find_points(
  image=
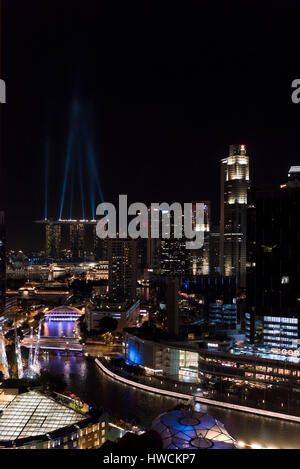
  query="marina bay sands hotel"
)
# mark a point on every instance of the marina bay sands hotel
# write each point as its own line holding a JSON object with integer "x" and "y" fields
{"x": 76, "y": 237}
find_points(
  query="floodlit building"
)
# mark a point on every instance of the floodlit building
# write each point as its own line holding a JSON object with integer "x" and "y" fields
{"x": 235, "y": 184}
{"x": 216, "y": 359}
{"x": 122, "y": 270}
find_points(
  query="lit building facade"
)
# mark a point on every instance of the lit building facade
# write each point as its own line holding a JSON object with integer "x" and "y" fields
{"x": 73, "y": 239}
{"x": 223, "y": 315}
{"x": 33, "y": 420}
{"x": 273, "y": 291}
{"x": 215, "y": 360}
{"x": 122, "y": 267}
{"x": 235, "y": 184}
{"x": 169, "y": 256}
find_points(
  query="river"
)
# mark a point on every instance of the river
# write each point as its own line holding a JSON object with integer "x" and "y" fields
{"x": 86, "y": 380}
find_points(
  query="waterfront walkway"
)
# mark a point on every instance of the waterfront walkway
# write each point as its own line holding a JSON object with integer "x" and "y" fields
{"x": 101, "y": 363}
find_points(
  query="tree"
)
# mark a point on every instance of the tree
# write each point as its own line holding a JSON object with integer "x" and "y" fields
{"x": 107, "y": 324}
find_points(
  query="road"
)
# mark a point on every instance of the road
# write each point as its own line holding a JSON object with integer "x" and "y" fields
{"x": 55, "y": 343}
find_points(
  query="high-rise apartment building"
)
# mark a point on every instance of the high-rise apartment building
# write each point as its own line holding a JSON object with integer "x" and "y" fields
{"x": 235, "y": 184}
{"x": 169, "y": 256}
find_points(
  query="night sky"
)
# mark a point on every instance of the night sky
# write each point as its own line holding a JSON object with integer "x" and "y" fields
{"x": 163, "y": 94}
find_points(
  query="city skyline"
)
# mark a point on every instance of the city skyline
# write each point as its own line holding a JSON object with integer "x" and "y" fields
{"x": 149, "y": 228}
{"x": 171, "y": 118}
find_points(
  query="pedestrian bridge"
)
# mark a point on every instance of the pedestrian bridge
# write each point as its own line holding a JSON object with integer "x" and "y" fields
{"x": 63, "y": 313}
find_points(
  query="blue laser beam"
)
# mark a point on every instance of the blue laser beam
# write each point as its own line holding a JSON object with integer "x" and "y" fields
{"x": 81, "y": 185}
{"x": 75, "y": 110}
{"x": 46, "y": 178}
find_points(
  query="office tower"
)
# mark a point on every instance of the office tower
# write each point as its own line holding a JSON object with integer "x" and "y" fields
{"x": 200, "y": 257}
{"x": 2, "y": 263}
{"x": 214, "y": 251}
{"x": 77, "y": 239}
{"x": 273, "y": 293}
{"x": 235, "y": 184}
{"x": 174, "y": 258}
{"x": 122, "y": 261}
{"x": 53, "y": 239}
{"x": 223, "y": 315}
{"x": 249, "y": 324}
{"x": 169, "y": 256}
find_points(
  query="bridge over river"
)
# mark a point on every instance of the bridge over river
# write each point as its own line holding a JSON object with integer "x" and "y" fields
{"x": 58, "y": 331}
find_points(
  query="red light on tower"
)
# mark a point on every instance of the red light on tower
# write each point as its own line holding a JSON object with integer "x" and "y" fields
{"x": 242, "y": 147}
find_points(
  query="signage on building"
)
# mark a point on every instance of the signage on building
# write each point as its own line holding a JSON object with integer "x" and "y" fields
{"x": 284, "y": 351}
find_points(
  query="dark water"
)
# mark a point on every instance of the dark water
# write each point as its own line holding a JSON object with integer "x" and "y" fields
{"x": 86, "y": 380}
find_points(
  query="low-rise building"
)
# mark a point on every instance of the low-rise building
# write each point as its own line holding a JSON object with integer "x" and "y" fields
{"x": 33, "y": 420}
{"x": 215, "y": 359}
{"x": 126, "y": 313}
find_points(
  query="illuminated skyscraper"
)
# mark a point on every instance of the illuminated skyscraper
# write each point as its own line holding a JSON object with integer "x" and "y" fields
{"x": 170, "y": 257}
{"x": 122, "y": 260}
{"x": 235, "y": 184}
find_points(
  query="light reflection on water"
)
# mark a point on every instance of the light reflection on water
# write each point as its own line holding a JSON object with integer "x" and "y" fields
{"x": 84, "y": 379}
{"x": 58, "y": 328}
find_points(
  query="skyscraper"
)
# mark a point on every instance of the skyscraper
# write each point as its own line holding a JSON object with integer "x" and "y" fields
{"x": 235, "y": 184}
{"x": 122, "y": 264}
{"x": 273, "y": 290}
{"x": 169, "y": 255}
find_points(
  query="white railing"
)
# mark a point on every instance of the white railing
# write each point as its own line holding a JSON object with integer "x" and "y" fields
{"x": 202, "y": 400}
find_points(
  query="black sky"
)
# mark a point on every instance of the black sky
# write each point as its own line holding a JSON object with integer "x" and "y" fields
{"x": 164, "y": 94}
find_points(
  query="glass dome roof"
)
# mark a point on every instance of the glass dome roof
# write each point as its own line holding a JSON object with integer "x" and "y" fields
{"x": 182, "y": 429}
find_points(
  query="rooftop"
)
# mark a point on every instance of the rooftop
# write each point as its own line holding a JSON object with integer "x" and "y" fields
{"x": 33, "y": 414}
